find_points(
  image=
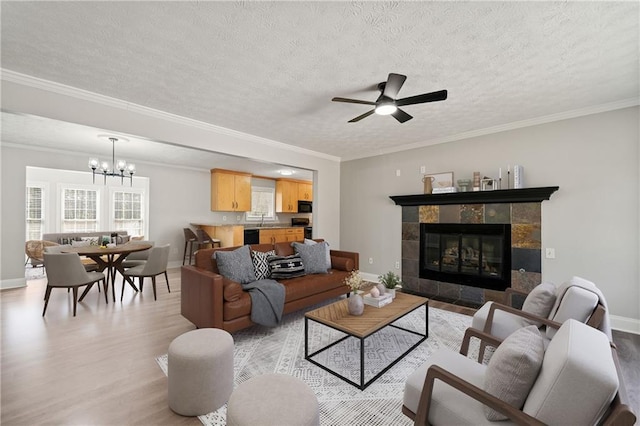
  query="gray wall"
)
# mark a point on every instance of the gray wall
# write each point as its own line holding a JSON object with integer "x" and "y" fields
{"x": 592, "y": 221}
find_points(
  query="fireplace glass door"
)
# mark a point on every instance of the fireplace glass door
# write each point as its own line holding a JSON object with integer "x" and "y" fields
{"x": 471, "y": 254}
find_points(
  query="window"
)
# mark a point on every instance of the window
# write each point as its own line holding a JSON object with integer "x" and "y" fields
{"x": 35, "y": 212}
{"x": 262, "y": 203}
{"x": 128, "y": 212}
{"x": 80, "y": 210}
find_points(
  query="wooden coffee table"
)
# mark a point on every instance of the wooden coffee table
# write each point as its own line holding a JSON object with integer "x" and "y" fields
{"x": 372, "y": 320}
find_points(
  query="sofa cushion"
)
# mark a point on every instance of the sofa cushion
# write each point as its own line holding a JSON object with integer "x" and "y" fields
{"x": 513, "y": 369}
{"x": 309, "y": 285}
{"x": 540, "y": 301}
{"x": 236, "y": 265}
{"x": 314, "y": 257}
{"x": 80, "y": 243}
{"x": 232, "y": 291}
{"x": 261, "y": 263}
{"x": 94, "y": 241}
{"x": 342, "y": 263}
{"x": 283, "y": 267}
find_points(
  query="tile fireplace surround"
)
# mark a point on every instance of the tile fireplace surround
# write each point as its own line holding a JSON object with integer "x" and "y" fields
{"x": 526, "y": 260}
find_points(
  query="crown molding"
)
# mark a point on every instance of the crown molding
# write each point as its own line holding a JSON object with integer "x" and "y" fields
{"x": 62, "y": 89}
{"x": 596, "y": 109}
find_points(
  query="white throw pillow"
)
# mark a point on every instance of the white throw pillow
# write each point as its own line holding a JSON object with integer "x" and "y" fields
{"x": 540, "y": 301}
{"x": 84, "y": 243}
{"x": 514, "y": 368}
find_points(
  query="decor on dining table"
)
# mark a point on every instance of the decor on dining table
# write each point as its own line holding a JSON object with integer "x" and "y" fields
{"x": 114, "y": 169}
{"x": 355, "y": 304}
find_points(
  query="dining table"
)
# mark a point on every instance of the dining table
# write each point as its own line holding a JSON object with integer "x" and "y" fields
{"x": 109, "y": 258}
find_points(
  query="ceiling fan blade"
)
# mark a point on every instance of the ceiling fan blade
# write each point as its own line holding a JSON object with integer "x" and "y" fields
{"x": 393, "y": 85}
{"x": 440, "y": 95}
{"x": 360, "y": 117}
{"x": 353, "y": 101}
{"x": 401, "y": 116}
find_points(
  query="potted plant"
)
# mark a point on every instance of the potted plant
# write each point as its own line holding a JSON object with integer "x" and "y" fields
{"x": 355, "y": 283}
{"x": 390, "y": 280}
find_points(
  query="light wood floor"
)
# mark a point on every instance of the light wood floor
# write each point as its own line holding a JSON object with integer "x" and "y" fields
{"x": 99, "y": 368}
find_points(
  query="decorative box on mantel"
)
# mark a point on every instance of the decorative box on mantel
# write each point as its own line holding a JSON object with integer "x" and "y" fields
{"x": 519, "y": 210}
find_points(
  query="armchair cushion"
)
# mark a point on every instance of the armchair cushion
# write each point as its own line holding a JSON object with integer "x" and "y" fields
{"x": 513, "y": 369}
{"x": 503, "y": 323}
{"x": 577, "y": 303}
{"x": 448, "y": 405}
{"x": 236, "y": 265}
{"x": 578, "y": 378}
{"x": 540, "y": 301}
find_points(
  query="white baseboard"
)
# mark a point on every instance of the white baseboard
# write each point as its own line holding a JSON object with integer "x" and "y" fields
{"x": 13, "y": 283}
{"x": 628, "y": 325}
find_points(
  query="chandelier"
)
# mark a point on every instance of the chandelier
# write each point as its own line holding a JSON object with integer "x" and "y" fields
{"x": 114, "y": 169}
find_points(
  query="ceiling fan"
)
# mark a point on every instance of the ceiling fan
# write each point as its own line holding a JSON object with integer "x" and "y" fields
{"x": 387, "y": 104}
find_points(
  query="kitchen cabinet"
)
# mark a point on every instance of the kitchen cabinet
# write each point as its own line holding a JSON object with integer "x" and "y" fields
{"x": 286, "y": 196}
{"x": 281, "y": 235}
{"x": 229, "y": 235}
{"x": 305, "y": 191}
{"x": 230, "y": 191}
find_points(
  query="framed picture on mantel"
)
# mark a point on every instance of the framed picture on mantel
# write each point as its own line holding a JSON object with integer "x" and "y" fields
{"x": 441, "y": 180}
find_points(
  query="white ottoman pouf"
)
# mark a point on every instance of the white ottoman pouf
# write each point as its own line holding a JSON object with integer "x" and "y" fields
{"x": 273, "y": 400}
{"x": 200, "y": 368}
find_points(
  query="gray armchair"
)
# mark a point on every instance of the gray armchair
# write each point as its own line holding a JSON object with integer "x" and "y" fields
{"x": 65, "y": 270}
{"x": 578, "y": 382}
{"x": 155, "y": 265}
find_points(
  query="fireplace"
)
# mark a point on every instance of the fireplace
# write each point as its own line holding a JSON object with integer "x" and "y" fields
{"x": 476, "y": 255}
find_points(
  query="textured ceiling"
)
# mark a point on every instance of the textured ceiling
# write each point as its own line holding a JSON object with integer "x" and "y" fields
{"x": 271, "y": 68}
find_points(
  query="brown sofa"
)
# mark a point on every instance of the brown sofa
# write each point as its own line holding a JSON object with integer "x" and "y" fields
{"x": 210, "y": 300}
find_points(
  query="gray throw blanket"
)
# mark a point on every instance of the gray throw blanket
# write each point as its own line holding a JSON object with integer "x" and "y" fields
{"x": 267, "y": 301}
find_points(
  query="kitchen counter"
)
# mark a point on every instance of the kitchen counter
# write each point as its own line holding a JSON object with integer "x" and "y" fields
{"x": 232, "y": 234}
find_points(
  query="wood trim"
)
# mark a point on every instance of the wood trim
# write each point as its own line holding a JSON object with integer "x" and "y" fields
{"x": 232, "y": 172}
{"x": 524, "y": 195}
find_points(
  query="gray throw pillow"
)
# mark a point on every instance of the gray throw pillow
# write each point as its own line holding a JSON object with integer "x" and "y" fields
{"x": 313, "y": 257}
{"x": 514, "y": 368}
{"x": 236, "y": 265}
{"x": 540, "y": 301}
{"x": 311, "y": 242}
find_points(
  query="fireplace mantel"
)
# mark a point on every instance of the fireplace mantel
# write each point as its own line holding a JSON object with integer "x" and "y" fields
{"x": 524, "y": 195}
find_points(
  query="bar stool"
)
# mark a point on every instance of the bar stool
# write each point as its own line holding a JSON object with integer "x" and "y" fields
{"x": 205, "y": 239}
{"x": 189, "y": 238}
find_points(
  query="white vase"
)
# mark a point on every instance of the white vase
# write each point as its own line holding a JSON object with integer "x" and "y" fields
{"x": 355, "y": 304}
{"x": 392, "y": 292}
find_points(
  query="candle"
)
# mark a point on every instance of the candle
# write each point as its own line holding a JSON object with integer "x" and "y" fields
{"x": 508, "y": 168}
{"x": 500, "y": 173}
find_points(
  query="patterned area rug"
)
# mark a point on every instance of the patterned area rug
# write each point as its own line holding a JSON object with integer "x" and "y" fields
{"x": 260, "y": 350}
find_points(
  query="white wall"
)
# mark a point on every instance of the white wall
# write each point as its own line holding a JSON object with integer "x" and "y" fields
{"x": 592, "y": 220}
{"x": 177, "y": 196}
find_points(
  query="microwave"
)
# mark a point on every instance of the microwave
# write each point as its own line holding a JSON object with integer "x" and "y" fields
{"x": 305, "y": 206}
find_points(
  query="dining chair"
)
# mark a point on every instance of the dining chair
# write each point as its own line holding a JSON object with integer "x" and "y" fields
{"x": 89, "y": 265}
{"x": 155, "y": 265}
{"x": 137, "y": 258}
{"x": 65, "y": 270}
{"x": 34, "y": 250}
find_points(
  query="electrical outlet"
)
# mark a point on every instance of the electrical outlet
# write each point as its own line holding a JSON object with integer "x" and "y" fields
{"x": 397, "y": 172}
{"x": 224, "y": 218}
{"x": 550, "y": 253}
{"x": 423, "y": 170}
{"x": 397, "y": 265}
{"x": 238, "y": 218}
{"x": 371, "y": 261}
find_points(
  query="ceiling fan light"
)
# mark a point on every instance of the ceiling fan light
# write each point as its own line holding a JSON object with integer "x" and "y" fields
{"x": 386, "y": 109}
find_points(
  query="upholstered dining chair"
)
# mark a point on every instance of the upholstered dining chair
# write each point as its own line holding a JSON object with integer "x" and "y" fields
{"x": 576, "y": 380}
{"x": 65, "y": 270}
{"x": 547, "y": 307}
{"x": 155, "y": 265}
{"x": 137, "y": 258}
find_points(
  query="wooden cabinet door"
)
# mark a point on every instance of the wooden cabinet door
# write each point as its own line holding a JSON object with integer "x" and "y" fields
{"x": 267, "y": 236}
{"x": 242, "y": 191}
{"x": 305, "y": 191}
{"x": 222, "y": 192}
{"x": 286, "y": 196}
